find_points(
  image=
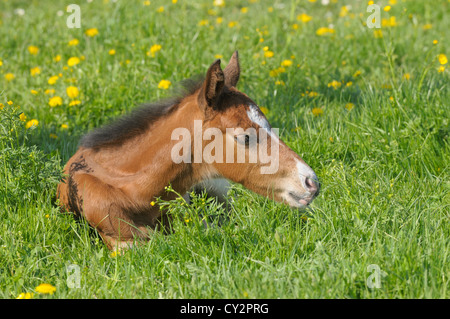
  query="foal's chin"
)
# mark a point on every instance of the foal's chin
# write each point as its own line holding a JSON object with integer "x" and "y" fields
{"x": 300, "y": 203}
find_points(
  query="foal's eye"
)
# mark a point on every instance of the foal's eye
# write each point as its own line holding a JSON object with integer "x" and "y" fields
{"x": 243, "y": 139}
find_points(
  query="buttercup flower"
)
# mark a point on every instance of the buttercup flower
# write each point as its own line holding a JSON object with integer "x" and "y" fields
{"x": 9, "y": 76}
{"x": 317, "y": 111}
{"x": 55, "y": 101}
{"x": 34, "y": 71}
{"x": 335, "y": 84}
{"x": 219, "y": 3}
{"x": 304, "y": 18}
{"x": 92, "y": 32}
{"x": 33, "y": 50}
{"x": 349, "y": 106}
{"x": 164, "y": 84}
{"x": 442, "y": 59}
{"x": 72, "y": 92}
{"x": 25, "y": 295}
{"x": 73, "y": 61}
{"x": 31, "y": 123}
{"x": 45, "y": 289}
{"x": 153, "y": 49}
{"x": 74, "y": 42}
{"x": 74, "y": 103}
{"x": 264, "y": 109}
{"x": 286, "y": 63}
{"x": 324, "y": 31}
{"x": 52, "y": 80}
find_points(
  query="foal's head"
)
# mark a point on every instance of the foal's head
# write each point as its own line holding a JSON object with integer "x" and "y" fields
{"x": 239, "y": 143}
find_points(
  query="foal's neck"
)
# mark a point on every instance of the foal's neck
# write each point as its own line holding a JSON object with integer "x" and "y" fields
{"x": 144, "y": 162}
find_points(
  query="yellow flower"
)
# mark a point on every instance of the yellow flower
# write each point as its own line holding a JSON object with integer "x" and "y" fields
{"x": 279, "y": 82}
{"x": 64, "y": 126}
{"x": 1, "y": 62}
{"x": 153, "y": 49}
{"x": 22, "y": 117}
{"x": 31, "y": 123}
{"x": 277, "y": 71}
{"x": 317, "y": 111}
{"x": 73, "y": 61}
{"x": 152, "y": 203}
{"x": 203, "y": 22}
{"x": 112, "y": 52}
{"x": 219, "y": 3}
{"x": 442, "y": 59}
{"x": 25, "y": 295}
{"x": 57, "y": 58}
{"x": 324, "y": 31}
{"x": 387, "y": 8}
{"x": 164, "y": 84}
{"x": 441, "y": 69}
{"x": 52, "y": 80}
{"x": 244, "y": 10}
{"x": 160, "y": 9}
{"x": 92, "y": 32}
{"x": 54, "y": 136}
{"x": 268, "y": 54}
{"x": 50, "y": 91}
{"x": 72, "y": 92}
{"x": 335, "y": 84}
{"x": 74, "y": 103}
{"x": 34, "y": 92}
{"x": 33, "y": 49}
{"x": 45, "y": 289}
{"x": 286, "y": 63}
{"x": 219, "y": 20}
{"x": 349, "y": 106}
{"x": 407, "y": 76}
{"x": 232, "y": 24}
{"x": 35, "y": 70}
{"x": 146, "y": 3}
{"x": 9, "y": 76}
{"x": 74, "y": 42}
{"x": 377, "y": 34}
{"x": 312, "y": 94}
{"x": 304, "y": 18}
{"x": 391, "y": 22}
{"x": 10, "y": 102}
{"x": 344, "y": 11}
{"x": 55, "y": 101}
{"x": 427, "y": 26}
{"x": 357, "y": 73}
{"x": 264, "y": 109}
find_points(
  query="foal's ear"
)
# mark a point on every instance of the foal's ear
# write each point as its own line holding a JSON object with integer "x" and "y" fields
{"x": 215, "y": 80}
{"x": 232, "y": 70}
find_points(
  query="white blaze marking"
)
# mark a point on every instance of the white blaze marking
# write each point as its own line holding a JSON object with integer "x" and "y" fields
{"x": 256, "y": 118}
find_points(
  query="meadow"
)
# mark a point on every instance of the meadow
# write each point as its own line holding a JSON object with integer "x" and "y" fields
{"x": 367, "y": 108}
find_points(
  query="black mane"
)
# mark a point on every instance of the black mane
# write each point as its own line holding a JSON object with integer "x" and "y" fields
{"x": 139, "y": 120}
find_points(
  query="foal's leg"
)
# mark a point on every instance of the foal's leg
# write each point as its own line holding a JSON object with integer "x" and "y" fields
{"x": 102, "y": 207}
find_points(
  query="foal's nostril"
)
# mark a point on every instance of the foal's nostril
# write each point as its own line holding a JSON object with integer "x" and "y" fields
{"x": 312, "y": 185}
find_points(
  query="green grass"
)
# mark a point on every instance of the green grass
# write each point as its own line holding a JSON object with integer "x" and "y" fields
{"x": 383, "y": 164}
